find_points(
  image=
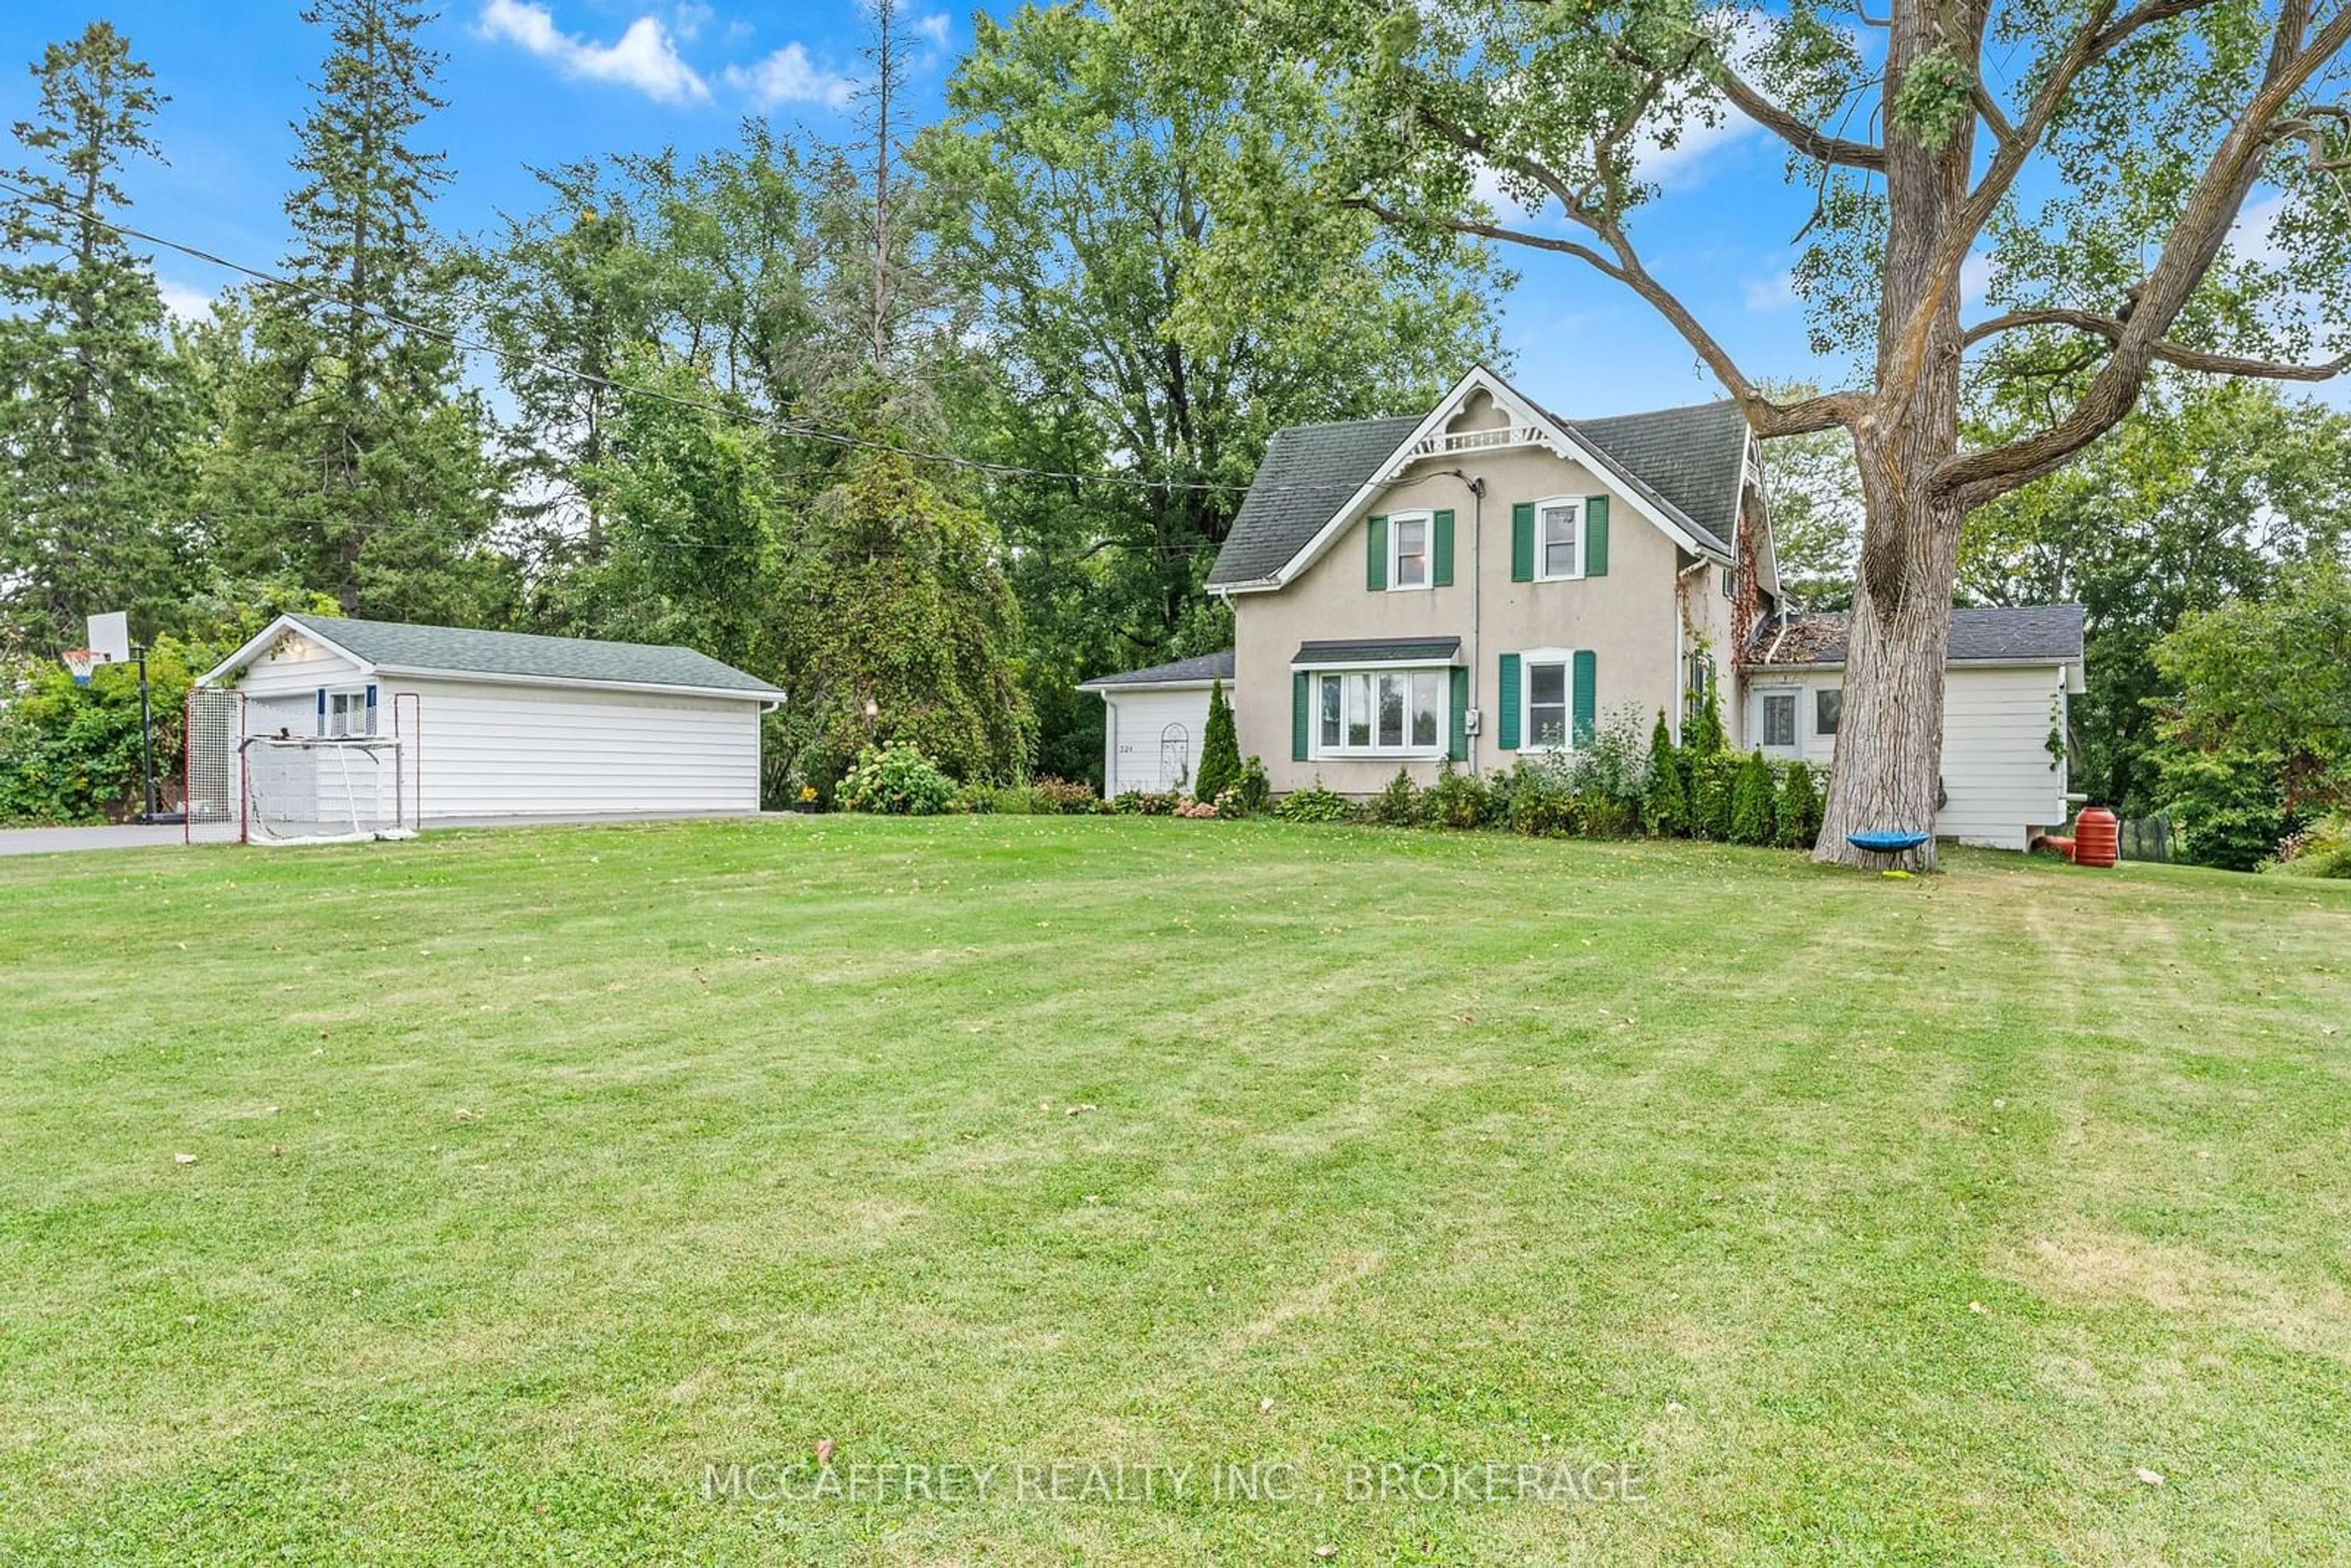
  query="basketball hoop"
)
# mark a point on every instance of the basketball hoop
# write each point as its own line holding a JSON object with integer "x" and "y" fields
{"x": 81, "y": 661}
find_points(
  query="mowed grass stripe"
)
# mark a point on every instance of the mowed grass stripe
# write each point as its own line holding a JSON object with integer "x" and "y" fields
{"x": 1453, "y": 1147}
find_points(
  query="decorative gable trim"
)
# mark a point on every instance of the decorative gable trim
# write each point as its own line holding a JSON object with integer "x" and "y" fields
{"x": 1529, "y": 425}
{"x": 1750, "y": 479}
{"x": 267, "y": 641}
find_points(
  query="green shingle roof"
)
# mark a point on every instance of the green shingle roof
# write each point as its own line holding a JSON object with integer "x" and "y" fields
{"x": 1199, "y": 669}
{"x": 2000, "y": 635}
{"x": 395, "y": 646}
{"x": 1688, "y": 462}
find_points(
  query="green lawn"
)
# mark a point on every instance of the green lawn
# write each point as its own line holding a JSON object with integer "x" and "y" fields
{"x": 1868, "y": 1221}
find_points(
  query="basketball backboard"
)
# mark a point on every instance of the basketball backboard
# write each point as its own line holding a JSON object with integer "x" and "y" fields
{"x": 110, "y": 637}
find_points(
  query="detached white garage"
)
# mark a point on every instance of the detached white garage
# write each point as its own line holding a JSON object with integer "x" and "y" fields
{"x": 330, "y": 719}
{"x": 1154, "y": 720}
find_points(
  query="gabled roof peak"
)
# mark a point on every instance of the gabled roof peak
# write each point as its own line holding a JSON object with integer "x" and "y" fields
{"x": 1685, "y": 467}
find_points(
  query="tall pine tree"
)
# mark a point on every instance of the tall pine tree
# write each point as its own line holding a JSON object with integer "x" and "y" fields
{"x": 90, "y": 409}
{"x": 356, "y": 461}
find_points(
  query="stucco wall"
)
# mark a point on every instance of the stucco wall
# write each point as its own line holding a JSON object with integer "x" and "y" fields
{"x": 1628, "y": 617}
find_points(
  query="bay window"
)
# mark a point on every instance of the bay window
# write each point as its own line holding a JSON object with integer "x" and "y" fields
{"x": 1375, "y": 713}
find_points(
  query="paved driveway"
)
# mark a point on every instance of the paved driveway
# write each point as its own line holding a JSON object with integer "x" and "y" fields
{"x": 49, "y": 840}
{"x": 52, "y": 841}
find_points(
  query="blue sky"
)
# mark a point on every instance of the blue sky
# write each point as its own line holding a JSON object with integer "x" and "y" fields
{"x": 539, "y": 82}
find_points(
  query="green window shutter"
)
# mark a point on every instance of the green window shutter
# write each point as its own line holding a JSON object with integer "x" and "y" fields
{"x": 1586, "y": 700}
{"x": 1506, "y": 701}
{"x": 1375, "y": 558}
{"x": 1596, "y": 536}
{"x": 1440, "y": 569}
{"x": 1300, "y": 702}
{"x": 1456, "y": 745}
{"x": 1522, "y": 542}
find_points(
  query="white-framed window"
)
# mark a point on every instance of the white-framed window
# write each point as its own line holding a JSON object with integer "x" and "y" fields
{"x": 1547, "y": 699}
{"x": 1775, "y": 718}
{"x": 1382, "y": 713}
{"x": 348, "y": 713}
{"x": 1828, "y": 709}
{"x": 1409, "y": 536}
{"x": 1559, "y": 539}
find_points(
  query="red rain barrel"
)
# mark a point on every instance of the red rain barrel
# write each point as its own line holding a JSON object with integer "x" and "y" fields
{"x": 2096, "y": 837}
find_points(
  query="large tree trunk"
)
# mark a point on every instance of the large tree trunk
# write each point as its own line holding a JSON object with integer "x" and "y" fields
{"x": 1889, "y": 750}
{"x": 1890, "y": 737}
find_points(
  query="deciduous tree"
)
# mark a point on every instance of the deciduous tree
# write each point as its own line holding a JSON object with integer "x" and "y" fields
{"x": 2097, "y": 153}
{"x": 1082, "y": 195}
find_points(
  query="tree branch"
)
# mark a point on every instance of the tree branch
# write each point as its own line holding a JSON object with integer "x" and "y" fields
{"x": 2163, "y": 350}
{"x": 2093, "y": 41}
{"x": 1808, "y": 140}
{"x": 2206, "y": 215}
{"x": 1764, "y": 416}
{"x": 1400, "y": 219}
{"x": 1988, "y": 108}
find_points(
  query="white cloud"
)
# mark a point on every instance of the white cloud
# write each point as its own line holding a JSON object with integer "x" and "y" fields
{"x": 789, "y": 76}
{"x": 1975, "y": 276}
{"x": 689, "y": 19}
{"x": 1772, "y": 292}
{"x": 2254, "y": 237}
{"x": 1678, "y": 166}
{"x": 1486, "y": 185}
{"x": 643, "y": 58}
{"x": 184, "y": 301}
{"x": 935, "y": 29}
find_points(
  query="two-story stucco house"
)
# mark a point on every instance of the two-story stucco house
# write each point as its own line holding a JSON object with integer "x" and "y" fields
{"x": 1487, "y": 580}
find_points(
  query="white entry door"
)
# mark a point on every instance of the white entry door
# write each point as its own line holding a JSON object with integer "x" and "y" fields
{"x": 1771, "y": 718}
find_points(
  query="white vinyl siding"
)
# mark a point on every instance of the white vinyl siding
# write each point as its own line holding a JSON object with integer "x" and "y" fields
{"x": 1996, "y": 760}
{"x": 495, "y": 749}
{"x": 1151, "y": 739}
{"x": 281, "y": 690}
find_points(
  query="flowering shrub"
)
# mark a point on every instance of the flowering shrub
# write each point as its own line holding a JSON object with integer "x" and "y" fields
{"x": 1314, "y": 805}
{"x": 1139, "y": 803}
{"x": 1063, "y": 797}
{"x": 898, "y": 781}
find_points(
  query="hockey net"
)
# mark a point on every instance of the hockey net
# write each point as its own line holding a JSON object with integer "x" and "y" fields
{"x": 214, "y": 778}
{"x": 327, "y": 789}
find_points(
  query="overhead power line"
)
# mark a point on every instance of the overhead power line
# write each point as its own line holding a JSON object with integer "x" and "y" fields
{"x": 771, "y": 422}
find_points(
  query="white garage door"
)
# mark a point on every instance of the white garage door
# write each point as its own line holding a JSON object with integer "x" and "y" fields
{"x": 1154, "y": 740}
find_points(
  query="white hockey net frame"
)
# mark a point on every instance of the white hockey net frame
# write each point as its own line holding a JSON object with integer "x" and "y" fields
{"x": 212, "y": 775}
{"x": 327, "y": 789}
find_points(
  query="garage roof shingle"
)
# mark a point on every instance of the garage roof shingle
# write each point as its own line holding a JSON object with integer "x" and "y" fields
{"x": 397, "y": 646}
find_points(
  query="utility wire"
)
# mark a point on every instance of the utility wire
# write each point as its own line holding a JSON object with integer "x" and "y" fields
{"x": 773, "y": 424}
